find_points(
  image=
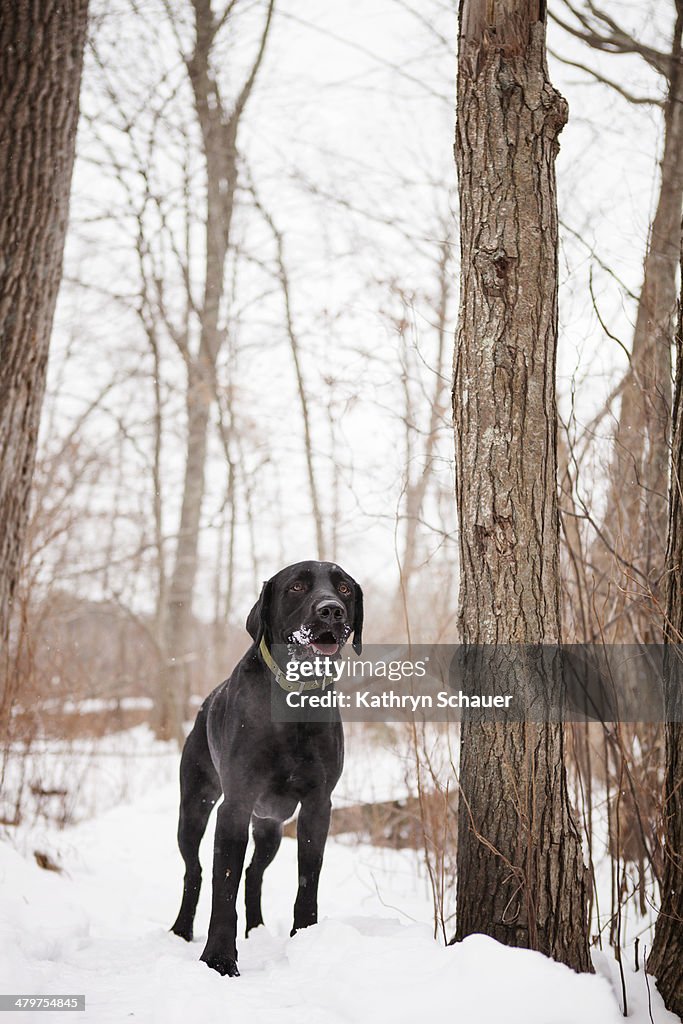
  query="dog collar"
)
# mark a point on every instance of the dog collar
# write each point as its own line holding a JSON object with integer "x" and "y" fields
{"x": 289, "y": 686}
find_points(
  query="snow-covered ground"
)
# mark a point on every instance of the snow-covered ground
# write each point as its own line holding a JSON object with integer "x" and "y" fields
{"x": 101, "y": 928}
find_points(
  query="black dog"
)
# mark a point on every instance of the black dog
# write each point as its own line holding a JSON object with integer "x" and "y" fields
{"x": 265, "y": 768}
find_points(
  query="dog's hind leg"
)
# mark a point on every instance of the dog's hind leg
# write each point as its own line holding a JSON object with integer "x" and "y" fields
{"x": 200, "y": 788}
{"x": 267, "y": 836}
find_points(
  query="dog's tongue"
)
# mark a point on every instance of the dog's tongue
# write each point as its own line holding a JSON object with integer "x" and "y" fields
{"x": 327, "y": 649}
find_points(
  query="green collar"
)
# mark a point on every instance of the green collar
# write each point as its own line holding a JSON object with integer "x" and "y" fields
{"x": 283, "y": 682}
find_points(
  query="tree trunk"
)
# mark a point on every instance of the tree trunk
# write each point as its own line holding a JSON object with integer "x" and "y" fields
{"x": 521, "y": 877}
{"x": 294, "y": 347}
{"x": 178, "y": 620}
{"x": 628, "y": 570}
{"x": 316, "y": 509}
{"x": 219, "y": 129}
{"x": 666, "y": 958}
{"x": 419, "y": 479}
{"x": 41, "y": 57}
{"x": 636, "y": 512}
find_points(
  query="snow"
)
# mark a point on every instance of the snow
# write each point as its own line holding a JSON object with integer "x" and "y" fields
{"x": 100, "y": 927}
{"x": 302, "y": 635}
{"x": 95, "y": 774}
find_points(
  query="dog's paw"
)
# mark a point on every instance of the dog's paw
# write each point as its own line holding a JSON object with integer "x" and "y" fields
{"x": 182, "y": 932}
{"x": 299, "y": 927}
{"x": 225, "y": 965}
{"x": 303, "y": 922}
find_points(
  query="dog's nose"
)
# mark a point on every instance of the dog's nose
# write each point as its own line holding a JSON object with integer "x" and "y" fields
{"x": 330, "y": 610}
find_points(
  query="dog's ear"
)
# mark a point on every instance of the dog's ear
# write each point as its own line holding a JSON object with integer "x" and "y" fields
{"x": 358, "y": 620}
{"x": 258, "y": 619}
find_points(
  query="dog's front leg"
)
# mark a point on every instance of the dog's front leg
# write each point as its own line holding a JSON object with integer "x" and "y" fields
{"x": 230, "y": 844}
{"x": 311, "y": 832}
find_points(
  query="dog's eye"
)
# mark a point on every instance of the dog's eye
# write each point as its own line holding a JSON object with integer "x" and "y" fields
{"x": 297, "y": 587}
{"x": 344, "y": 589}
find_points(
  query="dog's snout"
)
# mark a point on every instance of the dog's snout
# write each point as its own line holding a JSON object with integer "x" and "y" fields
{"x": 330, "y": 610}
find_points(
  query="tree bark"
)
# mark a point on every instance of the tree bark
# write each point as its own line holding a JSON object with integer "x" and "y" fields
{"x": 521, "y": 877}
{"x": 666, "y": 958}
{"x": 41, "y": 58}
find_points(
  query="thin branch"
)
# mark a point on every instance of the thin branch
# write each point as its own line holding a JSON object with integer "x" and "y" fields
{"x": 241, "y": 101}
{"x": 652, "y": 101}
{"x": 619, "y": 42}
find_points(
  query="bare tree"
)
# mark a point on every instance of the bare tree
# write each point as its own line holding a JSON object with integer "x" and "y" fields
{"x": 422, "y": 326}
{"x": 630, "y": 547}
{"x": 295, "y": 349}
{"x": 618, "y": 577}
{"x": 521, "y": 876}
{"x": 666, "y": 958}
{"x": 219, "y": 122}
{"x": 41, "y": 57}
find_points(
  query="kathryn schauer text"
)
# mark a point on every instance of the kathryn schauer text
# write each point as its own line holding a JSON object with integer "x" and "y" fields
{"x": 388, "y": 700}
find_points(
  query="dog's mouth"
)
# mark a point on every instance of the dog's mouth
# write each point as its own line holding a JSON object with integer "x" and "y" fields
{"x": 325, "y": 643}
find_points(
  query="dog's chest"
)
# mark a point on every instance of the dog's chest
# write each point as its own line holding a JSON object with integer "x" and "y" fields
{"x": 297, "y": 773}
{"x": 290, "y": 776}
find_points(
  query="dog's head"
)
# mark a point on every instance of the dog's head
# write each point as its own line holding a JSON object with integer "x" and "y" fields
{"x": 312, "y": 605}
